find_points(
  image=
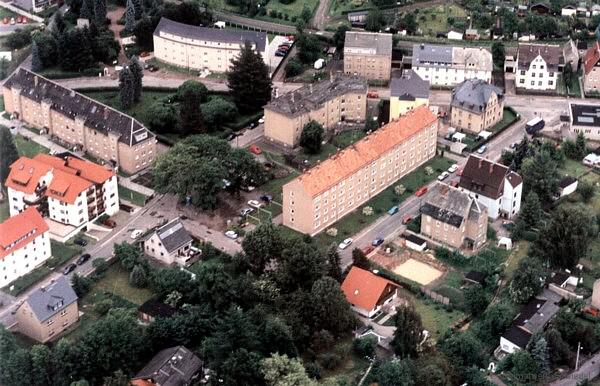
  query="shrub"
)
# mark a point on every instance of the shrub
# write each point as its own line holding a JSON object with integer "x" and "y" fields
{"x": 367, "y": 211}
{"x": 332, "y": 232}
{"x": 103, "y": 306}
{"x": 365, "y": 347}
{"x": 313, "y": 370}
{"x": 329, "y": 360}
{"x": 428, "y": 170}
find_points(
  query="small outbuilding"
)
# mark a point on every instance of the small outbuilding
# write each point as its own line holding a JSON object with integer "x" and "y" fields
{"x": 566, "y": 186}
{"x": 415, "y": 242}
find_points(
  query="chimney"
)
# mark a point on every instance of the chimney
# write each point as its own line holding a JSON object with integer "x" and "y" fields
{"x": 480, "y": 162}
{"x": 491, "y": 167}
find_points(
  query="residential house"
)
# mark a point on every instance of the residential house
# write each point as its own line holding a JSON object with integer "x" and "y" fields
{"x": 407, "y": 92}
{"x": 82, "y": 122}
{"x": 538, "y": 66}
{"x": 585, "y": 118}
{"x": 494, "y": 185}
{"x": 563, "y": 283}
{"x": 24, "y": 245}
{"x": 358, "y": 19}
{"x": 540, "y": 8}
{"x": 449, "y": 66}
{"x": 414, "y": 242}
{"x": 568, "y": 10}
{"x": 152, "y": 309}
{"x": 567, "y": 185}
{"x": 335, "y": 187}
{"x": 48, "y": 311}
{"x": 451, "y": 217}
{"x": 471, "y": 34}
{"x": 174, "y": 366}
{"x": 368, "y": 293}
{"x": 69, "y": 192}
{"x": 368, "y": 54}
{"x": 203, "y": 48}
{"x": 34, "y": 5}
{"x": 171, "y": 244}
{"x": 330, "y": 102}
{"x": 571, "y": 55}
{"x": 591, "y": 69}
{"x": 532, "y": 318}
{"x": 476, "y": 106}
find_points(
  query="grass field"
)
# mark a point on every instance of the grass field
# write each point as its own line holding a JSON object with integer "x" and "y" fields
{"x": 116, "y": 281}
{"x": 61, "y": 253}
{"x": 436, "y": 319}
{"x": 435, "y": 19}
{"x": 518, "y": 253}
{"x": 573, "y": 168}
{"x": 132, "y": 196}
{"x": 29, "y": 148}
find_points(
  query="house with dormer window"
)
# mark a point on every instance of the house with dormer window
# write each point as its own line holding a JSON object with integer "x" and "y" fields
{"x": 538, "y": 66}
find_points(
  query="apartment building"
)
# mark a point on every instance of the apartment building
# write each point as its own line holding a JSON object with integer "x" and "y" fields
{"x": 476, "y": 106}
{"x": 368, "y": 54}
{"x": 451, "y": 217}
{"x": 449, "y": 66}
{"x": 171, "y": 244}
{"x": 48, "y": 311}
{"x": 24, "y": 245}
{"x": 202, "y": 48}
{"x": 337, "y": 186}
{"x": 493, "y": 185}
{"x": 81, "y": 122}
{"x": 341, "y": 98}
{"x": 69, "y": 192}
{"x": 538, "y": 66}
{"x": 407, "y": 92}
{"x": 34, "y": 5}
{"x": 585, "y": 118}
{"x": 591, "y": 69}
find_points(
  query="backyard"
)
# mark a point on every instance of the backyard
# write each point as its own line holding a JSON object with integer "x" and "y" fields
{"x": 438, "y": 19}
{"x": 132, "y": 196}
{"x": 29, "y": 148}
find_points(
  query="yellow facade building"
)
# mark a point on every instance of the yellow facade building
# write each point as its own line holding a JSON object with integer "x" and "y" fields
{"x": 407, "y": 92}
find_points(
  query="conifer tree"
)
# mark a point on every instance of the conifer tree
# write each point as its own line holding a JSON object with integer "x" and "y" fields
{"x": 126, "y": 88}
{"x": 138, "y": 73}
{"x": 9, "y": 152}
{"x": 130, "y": 16}
{"x": 87, "y": 9}
{"x": 249, "y": 80}
{"x": 100, "y": 12}
{"x": 36, "y": 61}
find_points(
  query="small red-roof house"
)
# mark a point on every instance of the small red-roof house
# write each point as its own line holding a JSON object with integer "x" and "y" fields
{"x": 367, "y": 292}
{"x": 591, "y": 69}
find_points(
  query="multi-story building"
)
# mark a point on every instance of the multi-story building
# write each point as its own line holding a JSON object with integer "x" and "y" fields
{"x": 585, "y": 119}
{"x": 83, "y": 123}
{"x": 407, "y": 92}
{"x": 24, "y": 245}
{"x": 48, "y": 311}
{"x": 449, "y": 66}
{"x": 69, "y": 192}
{"x": 538, "y": 66}
{"x": 591, "y": 69}
{"x": 493, "y": 185}
{"x": 368, "y": 54}
{"x": 202, "y": 48}
{"x": 339, "y": 99}
{"x": 450, "y": 216}
{"x": 334, "y": 188}
{"x": 476, "y": 106}
{"x": 171, "y": 244}
{"x": 34, "y": 5}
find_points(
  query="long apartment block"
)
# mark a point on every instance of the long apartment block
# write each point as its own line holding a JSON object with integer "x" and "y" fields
{"x": 81, "y": 122}
{"x": 331, "y": 190}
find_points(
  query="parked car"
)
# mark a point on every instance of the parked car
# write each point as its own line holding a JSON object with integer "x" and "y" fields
{"x": 266, "y": 198}
{"x": 283, "y": 47}
{"x": 83, "y": 258}
{"x": 248, "y": 188}
{"x": 482, "y": 149}
{"x": 80, "y": 242}
{"x": 406, "y": 219}
{"x": 443, "y": 176}
{"x": 453, "y": 168}
{"x": 421, "y": 191}
{"x": 261, "y": 120}
{"x": 110, "y": 223}
{"x": 372, "y": 94}
{"x": 255, "y": 150}
{"x": 454, "y": 184}
{"x": 136, "y": 233}
{"x": 153, "y": 68}
{"x": 377, "y": 242}
{"x": 231, "y": 136}
{"x": 69, "y": 268}
{"x": 280, "y": 53}
{"x": 246, "y": 211}
{"x": 368, "y": 249}
{"x": 12, "y": 20}
{"x": 345, "y": 244}
{"x": 231, "y": 235}
{"x": 255, "y": 203}
{"x": 393, "y": 210}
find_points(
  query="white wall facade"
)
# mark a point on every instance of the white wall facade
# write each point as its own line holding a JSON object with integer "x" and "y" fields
{"x": 449, "y": 76}
{"x": 24, "y": 260}
{"x": 536, "y": 76}
{"x": 508, "y": 346}
{"x": 511, "y": 199}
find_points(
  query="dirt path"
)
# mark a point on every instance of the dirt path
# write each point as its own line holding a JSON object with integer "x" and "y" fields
{"x": 320, "y": 17}
{"x": 116, "y": 28}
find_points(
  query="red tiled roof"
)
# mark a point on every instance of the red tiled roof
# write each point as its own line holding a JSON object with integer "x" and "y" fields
{"x": 66, "y": 187}
{"x": 350, "y": 160}
{"x": 142, "y": 382}
{"x": 592, "y": 56}
{"x": 90, "y": 171}
{"x": 25, "y": 174}
{"x": 19, "y": 230}
{"x": 363, "y": 288}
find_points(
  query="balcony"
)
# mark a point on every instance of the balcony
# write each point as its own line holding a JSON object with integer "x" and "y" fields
{"x": 34, "y": 202}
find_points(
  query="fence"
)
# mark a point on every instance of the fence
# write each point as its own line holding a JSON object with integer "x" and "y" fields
{"x": 435, "y": 296}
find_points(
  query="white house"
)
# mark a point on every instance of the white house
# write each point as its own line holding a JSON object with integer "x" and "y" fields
{"x": 24, "y": 245}
{"x": 69, "y": 192}
{"x": 493, "y": 185}
{"x": 171, "y": 244}
{"x": 453, "y": 35}
{"x": 569, "y": 10}
{"x": 566, "y": 186}
{"x": 367, "y": 292}
{"x": 538, "y": 66}
{"x": 449, "y": 66}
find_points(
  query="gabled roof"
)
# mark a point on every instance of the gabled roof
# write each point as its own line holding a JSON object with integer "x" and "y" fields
{"x": 409, "y": 86}
{"x": 19, "y": 230}
{"x": 377, "y": 43}
{"x": 173, "y": 235}
{"x": 363, "y": 288}
{"x": 25, "y": 173}
{"x": 90, "y": 171}
{"x": 552, "y": 55}
{"x": 175, "y": 366}
{"x": 474, "y": 94}
{"x": 66, "y": 187}
{"x": 50, "y": 300}
{"x": 155, "y": 308}
{"x": 566, "y": 181}
{"x": 450, "y": 205}
{"x": 592, "y": 56}
{"x": 485, "y": 177}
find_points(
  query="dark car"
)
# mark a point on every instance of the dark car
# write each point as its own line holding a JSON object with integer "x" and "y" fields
{"x": 280, "y": 53}
{"x": 377, "y": 242}
{"x": 69, "y": 268}
{"x": 83, "y": 258}
{"x": 231, "y": 137}
{"x": 266, "y": 198}
{"x": 80, "y": 242}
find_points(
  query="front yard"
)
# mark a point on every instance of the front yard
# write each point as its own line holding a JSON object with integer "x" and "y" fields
{"x": 29, "y": 148}
{"x": 132, "y": 196}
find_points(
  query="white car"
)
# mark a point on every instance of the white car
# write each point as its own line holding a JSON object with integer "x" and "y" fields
{"x": 246, "y": 211}
{"x": 231, "y": 234}
{"x": 261, "y": 120}
{"x": 136, "y": 233}
{"x": 344, "y": 244}
{"x": 255, "y": 203}
{"x": 453, "y": 168}
{"x": 482, "y": 149}
{"x": 443, "y": 176}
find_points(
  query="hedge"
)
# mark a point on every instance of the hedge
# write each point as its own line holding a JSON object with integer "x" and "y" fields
{"x": 59, "y": 74}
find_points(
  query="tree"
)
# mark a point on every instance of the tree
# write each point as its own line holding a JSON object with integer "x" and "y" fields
{"x": 567, "y": 74}
{"x": 464, "y": 349}
{"x": 137, "y": 72}
{"x": 530, "y": 214}
{"x": 9, "y": 152}
{"x": 368, "y": 210}
{"x": 365, "y": 347}
{"x": 540, "y": 175}
{"x": 293, "y": 68}
{"x": 130, "y": 16}
{"x": 494, "y": 321}
{"x": 476, "y": 300}
{"x": 332, "y": 311}
{"x": 41, "y": 365}
{"x": 279, "y": 370}
{"x": 192, "y": 87}
{"x": 138, "y": 8}
{"x": 409, "y": 23}
{"x": 524, "y": 366}
{"x": 190, "y": 114}
{"x": 306, "y": 14}
{"x": 162, "y": 117}
{"x": 80, "y": 284}
{"x": 87, "y": 9}
{"x": 261, "y": 246}
{"x": 370, "y": 124}
{"x": 311, "y": 137}
{"x": 339, "y": 37}
{"x": 36, "y": 61}
{"x": 374, "y": 21}
{"x": 138, "y": 277}
{"x": 581, "y": 146}
{"x": 217, "y": 112}
{"x": 408, "y": 333}
{"x": 567, "y": 237}
{"x": 540, "y": 354}
{"x": 300, "y": 265}
{"x": 399, "y": 189}
{"x": 333, "y": 263}
{"x": 75, "y": 48}
{"x": 396, "y": 373}
{"x": 100, "y": 12}
{"x": 249, "y": 80}
{"x": 359, "y": 259}
{"x": 119, "y": 378}
{"x": 527, "y": 281}
{"x": 308, "y": 48}
{"x": 498, "y": 54}
{"x": 586, "y": 190}
{"x": 126, "y": 88}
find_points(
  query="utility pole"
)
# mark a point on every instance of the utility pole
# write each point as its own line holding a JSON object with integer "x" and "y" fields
{"x": 577, "y": 360}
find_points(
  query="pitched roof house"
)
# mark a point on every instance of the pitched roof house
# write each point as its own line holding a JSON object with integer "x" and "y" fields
{"x": 591, "y": 69}
{"x": 175, "y": 366}
{"x": 476, "y": 105}
{"x": 152, "y": 309}
{"x": 367, "y": 292}
{"x": 538, "y": 66}
{"x": 171, "y": 244}
{"x": 407, "y": 92}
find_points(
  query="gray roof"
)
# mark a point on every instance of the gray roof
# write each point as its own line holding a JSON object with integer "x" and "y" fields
{"x": 48, "y": 301}
{"x": 409, "y": 86}
{"x": 450, "y": 205}
{"x": 429, "y": 54}
{"x": 470, "y": 58}
{"x": 175, "y": 366}
{"x": 312, "y": 96}
{"x": 585, "y": 115}
{"x": 552, "y": 55}
{"x": 173, "y": 235}
{"x": 211, "y": 34}
{"x": 74, "y": 105}
{"x": 474, "y": 94}
{"x": 378, "y": 43}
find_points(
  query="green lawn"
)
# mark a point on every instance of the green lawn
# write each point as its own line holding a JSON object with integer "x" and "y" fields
{"x": 61, "y": 253}
{"x": 29, "y": 148}
{"x": 508, "y": 118}
{"x": 116, "y": 281}
{"x": 339, "y": 8}
{"x": 518, "y": 253}
{"x": 436, "y": 319}
{"x": 132, "y": 196}
{"x": 573, "y": 168}
{"x": 435, "y": 19}
{"x": 347, "y": 138}
{"x": 26, "y": 281}
{"x": 292, "y": 10}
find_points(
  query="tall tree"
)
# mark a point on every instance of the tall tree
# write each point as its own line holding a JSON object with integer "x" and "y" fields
{"x": 375, "y": 20}
{"x": 498, "y": 54}
{"x": 130, "y": 16}
{"x": 331, "y": 309}
{"x": 137, "y": 72}
{"x": 87, "y": 9}
{"x": 530, "y": 214}
{"x": 300, "y": 265}
{"x": 408, "y": 333}
{"x": 339, "y": 37}
{"x": 36, "y": 61}
{"x": 540, "y": 175}
{"x": 527, "y": 281}
{"x": 359, "y": 259}
{"x": 333, "y": 263}
{"x": 567, "y": 74}
{"x": 464, "y": 349}
{"x": 539, "y": 352}
{"x": 190, "y": 114}
{"x": 581, "y": 145}
{"x": 249, "y": 80}
{"x": 100, "y": 12}
{"x": 41, "y": 365}
{"x": 138, "y": 7}
{"x": 311, "y": 137}
{"x": 9, "y": 152}
{"x": 262, "y": 245}
{"x": 126, "y": 88}
{"x": 396, "y": 373}
{"x": 279, "y": 370}
{"x": 476, "y": 300}
{"x": 217, "y": 112}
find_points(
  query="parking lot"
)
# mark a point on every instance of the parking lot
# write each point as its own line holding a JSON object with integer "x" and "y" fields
{"x": 272, "y": 60}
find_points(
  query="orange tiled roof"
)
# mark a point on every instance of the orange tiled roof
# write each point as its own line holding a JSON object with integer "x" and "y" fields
{"x": 350, "y": 160}
{"x": 25, "y": 174}
{"x": 142, "y": 382}
{"x": 66, "y": 187}
{"x": 19, "y": 230}
{"x": 363, "y": 288}
{"x": 90, "y": 171}
{"x": 592, "y": 55}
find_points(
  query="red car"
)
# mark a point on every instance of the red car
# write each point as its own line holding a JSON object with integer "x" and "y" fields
{"x": 368, "y": 249}
{"x": 5, "y": 20}
{"x": 454, "y": 184}
{"x": 459, "y": 172}
{"x": 372, "y": 94}
{"x": 421, "y": 191}
{"x": 255, "y": 150}
{"x": 406, "y": 219}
